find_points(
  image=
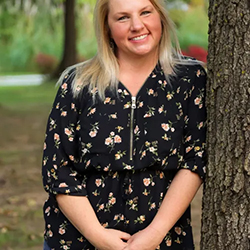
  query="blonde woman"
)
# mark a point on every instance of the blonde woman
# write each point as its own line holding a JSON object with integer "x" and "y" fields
{"x": 124, "y": 149}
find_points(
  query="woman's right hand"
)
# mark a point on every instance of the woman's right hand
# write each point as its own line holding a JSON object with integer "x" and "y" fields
{"x": 109, "y": 239}
{"x": 86, "y": 222}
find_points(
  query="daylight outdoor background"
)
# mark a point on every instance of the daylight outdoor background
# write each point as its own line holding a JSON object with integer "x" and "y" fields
{"x": 31, "y": 43}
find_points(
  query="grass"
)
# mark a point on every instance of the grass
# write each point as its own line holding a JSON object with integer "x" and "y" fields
{"x": 24, "y": 112}
{"x": 22, "y": 97}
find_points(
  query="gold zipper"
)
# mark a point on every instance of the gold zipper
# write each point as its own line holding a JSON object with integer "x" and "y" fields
{"x": 133, "y": 107}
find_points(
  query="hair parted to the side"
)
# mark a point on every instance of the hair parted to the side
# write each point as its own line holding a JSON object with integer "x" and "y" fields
{"x": 101, "y": 71}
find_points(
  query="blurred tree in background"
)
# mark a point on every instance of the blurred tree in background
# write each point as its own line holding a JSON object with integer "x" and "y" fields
{"x": 46, "y": 36}
{"x": 34, "y": 33}
{"x": 69, "y": 49}
{"x": 70, "y": 34}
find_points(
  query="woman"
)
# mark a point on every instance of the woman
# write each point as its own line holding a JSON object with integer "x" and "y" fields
{"x": 124, "y": 150}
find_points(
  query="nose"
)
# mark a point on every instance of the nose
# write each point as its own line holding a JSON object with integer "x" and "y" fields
{"x": 136, "y": 23}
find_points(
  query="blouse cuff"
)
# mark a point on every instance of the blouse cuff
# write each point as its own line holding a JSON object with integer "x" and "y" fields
{"x": 75, "y": 191}
{"x": 196, "y": 167}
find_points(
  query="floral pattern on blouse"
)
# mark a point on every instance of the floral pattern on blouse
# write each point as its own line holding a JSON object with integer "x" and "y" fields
{"x": 123, "y": 152}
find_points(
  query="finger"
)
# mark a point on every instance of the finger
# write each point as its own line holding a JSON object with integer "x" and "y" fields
{"x": 125, "y": 236}
{"x": 129, "y": 241}
{"x": 125, "y": 246}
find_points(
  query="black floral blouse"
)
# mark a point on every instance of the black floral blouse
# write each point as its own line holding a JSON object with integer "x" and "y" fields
{"x": 123, "y": 152}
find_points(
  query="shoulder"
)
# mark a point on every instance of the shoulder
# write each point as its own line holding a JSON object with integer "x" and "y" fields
{"x": 190, "y": 70}
{"x": 188, "y": 76}
{"x": 68, "y": 95}
{"x": 70, "y": 83}
{"x": 67, "y": 76}
{"x": 190, "y": 66}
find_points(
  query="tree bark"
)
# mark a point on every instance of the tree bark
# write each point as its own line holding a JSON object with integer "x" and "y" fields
{"x": 69, "y": 52}
{"x": 226, "y": 200}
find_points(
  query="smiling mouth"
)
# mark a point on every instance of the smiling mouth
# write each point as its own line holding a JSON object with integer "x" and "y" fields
{"x": 139, "y": 38}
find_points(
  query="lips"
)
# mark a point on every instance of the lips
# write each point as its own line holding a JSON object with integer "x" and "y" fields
{"x": 138, "y": 38}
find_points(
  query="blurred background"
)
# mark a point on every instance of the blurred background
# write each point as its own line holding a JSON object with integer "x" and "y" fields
{"x": 38, "y": 39}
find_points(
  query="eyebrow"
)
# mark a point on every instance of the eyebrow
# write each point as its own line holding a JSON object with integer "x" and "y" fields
{"x": 124, "y": 13}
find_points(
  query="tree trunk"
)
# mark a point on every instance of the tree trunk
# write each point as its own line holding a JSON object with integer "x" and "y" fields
{"x": 69, "y": 52}
{"x": 226, "y": 200}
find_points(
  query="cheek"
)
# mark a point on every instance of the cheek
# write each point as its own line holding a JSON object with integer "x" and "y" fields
{"x": 113, "y": 31}
{"x": 117, "y": 33}
{"x": 158, "y": 24}
{"x": 158, "y": 28}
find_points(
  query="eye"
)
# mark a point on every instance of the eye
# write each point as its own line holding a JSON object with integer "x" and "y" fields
{"x": 146, "y": 12}
{"x": 122, "y": 18}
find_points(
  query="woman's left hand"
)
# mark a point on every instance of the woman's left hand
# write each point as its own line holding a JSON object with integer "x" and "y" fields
{"x": 147, "y": 239}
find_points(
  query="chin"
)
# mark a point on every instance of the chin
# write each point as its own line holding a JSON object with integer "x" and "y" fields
{"x": 143, "y": 53}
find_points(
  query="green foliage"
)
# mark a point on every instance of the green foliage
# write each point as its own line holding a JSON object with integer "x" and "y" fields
{"x": 88, "y": 2}
{"x": 176, "y": 16}
{"x": 193, "y": 28}
{"x": 197, "y": 2}
{"x": 40, "y": 30}
{"x": 37, "y": 27}
{"x": 184, "y": 1}
{"x": 86, "y": 38}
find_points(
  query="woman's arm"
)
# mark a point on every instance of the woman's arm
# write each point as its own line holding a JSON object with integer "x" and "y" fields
{"x": 181, "y": 192}
{"x": 189, "y": 178}
{"x": 81, "y": 214}
{"x": 60, "y": 177}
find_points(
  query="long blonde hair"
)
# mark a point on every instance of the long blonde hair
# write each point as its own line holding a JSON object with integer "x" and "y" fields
{"x": 101, "y": 71}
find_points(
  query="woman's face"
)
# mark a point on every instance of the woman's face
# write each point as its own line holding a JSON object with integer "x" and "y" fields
{"x": 135, "y": 26}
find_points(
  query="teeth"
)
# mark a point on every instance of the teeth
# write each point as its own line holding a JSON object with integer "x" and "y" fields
{"x": 139, "y": 37}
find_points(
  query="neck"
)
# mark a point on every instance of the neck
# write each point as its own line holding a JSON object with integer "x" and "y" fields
{"x": 138, "y": 64}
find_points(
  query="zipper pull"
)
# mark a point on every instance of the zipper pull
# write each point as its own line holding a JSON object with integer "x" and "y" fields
{"x": 133, "y": 105}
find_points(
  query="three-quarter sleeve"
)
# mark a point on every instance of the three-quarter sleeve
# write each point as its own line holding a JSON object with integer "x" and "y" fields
{"x": 195, "y": 125}
{"x": 60, "y": 154}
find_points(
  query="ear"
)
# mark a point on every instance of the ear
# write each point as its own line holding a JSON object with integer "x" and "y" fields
{"x": 112, "y": 44}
